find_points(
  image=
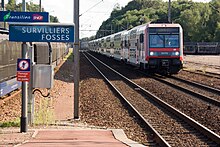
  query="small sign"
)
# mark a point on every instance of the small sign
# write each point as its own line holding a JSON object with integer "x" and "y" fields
{"x": 41, "y": 32}
{"x": 23, "y": 65}
{"x": 11, "y": 16}
{"x": 23, "y": 76}
{"x": 23, "y": 70}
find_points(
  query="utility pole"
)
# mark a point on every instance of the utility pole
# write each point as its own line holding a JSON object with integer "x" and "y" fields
{"x": 3, "y": 9}
{"x": 169, "y": 12}
{"x": 23, "y": 120}
{"x": 40, "y": 9}
{"x": 3, "y": 5}
{"x": 76, "y": 58}
{"x": 23, "y": 5}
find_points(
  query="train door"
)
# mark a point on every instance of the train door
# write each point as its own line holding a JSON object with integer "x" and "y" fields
{"x": 125, "y": 52}
{"x": 141, "y": 46}
{"x": 133, "y": 47}
{"x": 138, "y": 55}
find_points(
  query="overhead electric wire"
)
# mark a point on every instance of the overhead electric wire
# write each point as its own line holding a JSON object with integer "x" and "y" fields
{"x": 90, "y": 8}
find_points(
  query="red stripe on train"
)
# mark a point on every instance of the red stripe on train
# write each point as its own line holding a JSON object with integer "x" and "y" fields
{"x": 164, "y": 49}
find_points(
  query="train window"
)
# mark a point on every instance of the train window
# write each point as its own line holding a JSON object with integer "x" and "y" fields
{"x": 156, "y": 40}
{"x": 122, "y": 42}
{"x": 171, "y": 40}
{"x": 141, "y": 38}
{"x": 126, "y": 44}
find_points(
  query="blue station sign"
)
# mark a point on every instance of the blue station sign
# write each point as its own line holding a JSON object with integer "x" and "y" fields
{"x": 11, "y": 16}
{"x": 41, "y": 32}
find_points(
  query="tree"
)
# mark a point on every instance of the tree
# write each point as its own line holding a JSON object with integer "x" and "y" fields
{"x": 200, "y": 21}
{"x": 11, "y": 6}
{"x": 214, "y": 20}
{"x": 31, "y": 7}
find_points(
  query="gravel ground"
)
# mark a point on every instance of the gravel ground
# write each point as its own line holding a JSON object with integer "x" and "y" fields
{"x": 167, "y": 125}
{"x": 191, "y": 106}
{"x": 100, "y": 107}
{"x": 212, "y": 82}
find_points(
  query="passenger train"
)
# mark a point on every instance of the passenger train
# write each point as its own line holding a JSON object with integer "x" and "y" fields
{"x": 11, "y": 51}
{"x": 202, "y": 48}
{"x": 154, "y": 47}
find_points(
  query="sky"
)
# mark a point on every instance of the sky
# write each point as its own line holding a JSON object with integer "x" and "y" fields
{"x": 94, "y": 12}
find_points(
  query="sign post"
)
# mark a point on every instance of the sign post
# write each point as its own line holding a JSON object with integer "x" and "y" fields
{"x": 37, "y": 32}
{"x": 23, "y": 120}
{"x": 24, "y": 94}
{"x": 76, "y": 60}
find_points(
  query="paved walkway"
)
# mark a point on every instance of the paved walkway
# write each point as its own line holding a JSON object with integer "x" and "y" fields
{"x": 90, "y": 138}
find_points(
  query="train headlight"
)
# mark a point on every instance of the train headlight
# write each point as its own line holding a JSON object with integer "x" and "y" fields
{"x": 151, "y": 53}
{"x": 177, "y": 53}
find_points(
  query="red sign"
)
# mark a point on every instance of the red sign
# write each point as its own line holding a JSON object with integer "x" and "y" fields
{"x": 23, "y": 76}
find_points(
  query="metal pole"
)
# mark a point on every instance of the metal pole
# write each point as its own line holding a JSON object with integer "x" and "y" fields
{"x": 40, "y": 9}
{"x": 3, "y": 4}
{"x": 3, "y": 8}
{"x": 30, "y": 88}
{"x": 24, "y": 86}
{"x": 169, "y": 11}
{"x": 23, "y": 5}
{"x": 76, "y": 59}
{"x": 24, "y": 94}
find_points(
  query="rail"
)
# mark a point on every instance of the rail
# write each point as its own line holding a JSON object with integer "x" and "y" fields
{"x": 211, "y": 135}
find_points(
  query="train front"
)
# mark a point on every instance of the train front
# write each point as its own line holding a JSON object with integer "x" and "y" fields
{"x": 164, "y": 48}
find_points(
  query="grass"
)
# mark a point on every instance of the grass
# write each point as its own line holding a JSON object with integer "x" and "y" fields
{"x": 69, "y": 56}
{"x": 15, "y": 123}
{"x": 44, "y": 115}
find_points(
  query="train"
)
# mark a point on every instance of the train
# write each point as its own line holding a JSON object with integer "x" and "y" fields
{"x": 202, "y": 48}
{"x": 11, "y": 51}
{"x": 153, "y": 47}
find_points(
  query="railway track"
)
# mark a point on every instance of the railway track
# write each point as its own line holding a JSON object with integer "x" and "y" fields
{"x": 203, "y": 64}
{"x": 204, "y": 73}
{"x": 202, "y": 86}
{"x": 12, "y": 94}
{"x": 211, "y": 95}
{"x": 169, "y": 126}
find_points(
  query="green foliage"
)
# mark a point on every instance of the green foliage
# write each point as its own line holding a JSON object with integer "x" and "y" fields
{"x": 15, "y": 123}
{"x": 30, "y": 7}
{"x": 44, "y": 115}
{"x": 200, "y": 21}
{"x": 53, "y": 19}
{"x": 9, "y": 124}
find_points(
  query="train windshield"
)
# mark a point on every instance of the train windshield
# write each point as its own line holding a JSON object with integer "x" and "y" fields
{"x": 164, "y": 41}
{"x": 164, "y": 37}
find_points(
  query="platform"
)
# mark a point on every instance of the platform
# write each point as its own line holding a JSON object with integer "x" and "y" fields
{"x": 202, "y": 62}
{"x": 69, "y": 137}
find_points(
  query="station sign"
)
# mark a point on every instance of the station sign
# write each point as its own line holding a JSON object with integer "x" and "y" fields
{"x": 11, "y": 16}
{"x": 41, "y": 32}
{"x": 23, "y": 70}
